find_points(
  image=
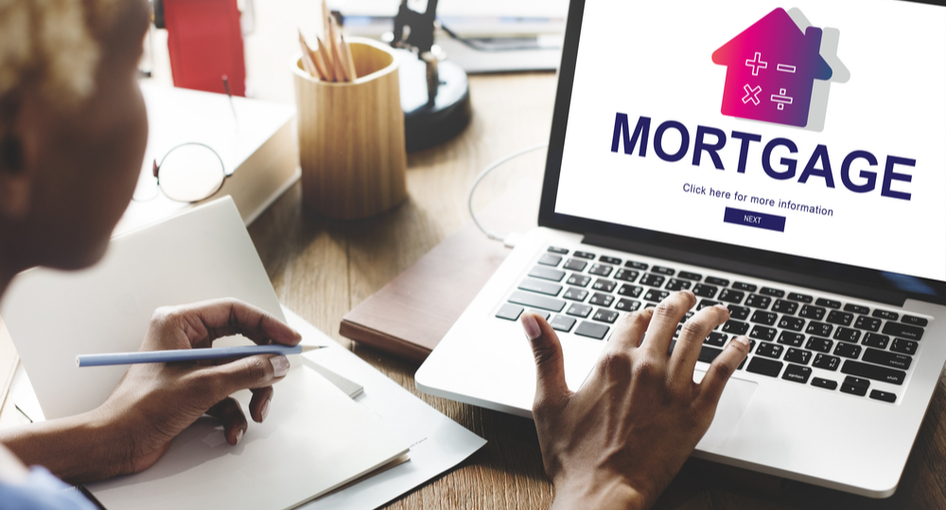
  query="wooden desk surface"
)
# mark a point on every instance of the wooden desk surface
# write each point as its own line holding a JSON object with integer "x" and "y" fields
{"x": 322, "y": 268}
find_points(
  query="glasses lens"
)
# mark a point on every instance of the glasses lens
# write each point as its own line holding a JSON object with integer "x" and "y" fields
{"x": 191, "y": 173}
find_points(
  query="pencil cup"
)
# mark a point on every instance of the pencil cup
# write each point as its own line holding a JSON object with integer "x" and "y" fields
{"x": 351, "y": 136}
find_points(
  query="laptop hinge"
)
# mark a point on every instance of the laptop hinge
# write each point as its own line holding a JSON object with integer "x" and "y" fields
{"x": 886, "y": 296}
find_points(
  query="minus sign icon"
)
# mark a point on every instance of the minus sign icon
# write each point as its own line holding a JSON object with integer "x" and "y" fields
{"x": 785, "y": 68}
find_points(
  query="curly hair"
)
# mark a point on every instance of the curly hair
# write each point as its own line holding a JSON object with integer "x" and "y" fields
{"x": 52, "y": 46}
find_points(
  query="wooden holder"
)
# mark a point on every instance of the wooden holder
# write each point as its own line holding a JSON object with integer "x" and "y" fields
{"x": 351, "y": 137}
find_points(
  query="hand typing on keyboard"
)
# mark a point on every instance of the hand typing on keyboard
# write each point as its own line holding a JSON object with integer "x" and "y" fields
{"x": 619, "y": 440}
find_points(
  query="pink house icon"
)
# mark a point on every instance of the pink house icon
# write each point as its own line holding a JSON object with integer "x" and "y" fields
{"x": 771, "y": 68}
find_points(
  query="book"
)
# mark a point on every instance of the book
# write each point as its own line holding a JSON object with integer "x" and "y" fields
{"x": 256, "y": 140}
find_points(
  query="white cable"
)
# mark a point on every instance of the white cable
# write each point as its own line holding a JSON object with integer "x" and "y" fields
{"x": 510, "y": 239}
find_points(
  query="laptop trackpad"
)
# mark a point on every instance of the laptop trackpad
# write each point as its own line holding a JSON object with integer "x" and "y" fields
{"x": 731, "y": 406}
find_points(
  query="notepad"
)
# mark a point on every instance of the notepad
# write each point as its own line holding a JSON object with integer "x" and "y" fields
{"x": 315, "y": 440}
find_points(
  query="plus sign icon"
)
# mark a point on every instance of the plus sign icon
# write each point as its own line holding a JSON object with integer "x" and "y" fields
{"x": 770, "y": 70}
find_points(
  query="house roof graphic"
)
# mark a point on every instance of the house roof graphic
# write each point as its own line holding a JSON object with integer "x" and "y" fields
{"x": 771, "y": 68}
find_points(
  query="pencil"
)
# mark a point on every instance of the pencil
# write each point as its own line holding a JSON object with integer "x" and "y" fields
{"x": 341, "y": 73}
{"x": 327, "y": 61}
{"x": 348, "y": 60}
{"x": 176, "y": 355}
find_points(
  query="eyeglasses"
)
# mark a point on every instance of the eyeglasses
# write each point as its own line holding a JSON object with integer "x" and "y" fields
{"x": 189, "y": 172}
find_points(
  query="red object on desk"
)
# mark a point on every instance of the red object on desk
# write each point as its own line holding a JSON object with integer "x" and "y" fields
{"x": 205, "y": 43}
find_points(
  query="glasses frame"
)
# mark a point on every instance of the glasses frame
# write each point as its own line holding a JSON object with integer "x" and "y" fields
{"x": 156, "y": 171}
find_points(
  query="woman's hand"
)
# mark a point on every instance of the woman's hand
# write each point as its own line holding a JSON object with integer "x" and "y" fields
{"x": 619, "y": 440}
{"x": 154, "y": 402}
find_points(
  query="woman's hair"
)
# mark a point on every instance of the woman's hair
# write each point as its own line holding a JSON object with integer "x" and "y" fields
{"x": 52, "y": 47}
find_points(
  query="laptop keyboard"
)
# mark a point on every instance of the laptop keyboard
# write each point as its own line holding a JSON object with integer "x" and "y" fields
{"x": 797, "y": 337}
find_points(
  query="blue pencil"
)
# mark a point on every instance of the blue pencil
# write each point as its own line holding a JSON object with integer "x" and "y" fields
{"x": 171, "y": 356}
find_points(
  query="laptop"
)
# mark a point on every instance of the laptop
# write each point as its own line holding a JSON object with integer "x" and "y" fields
{"x": 780, "y": 159}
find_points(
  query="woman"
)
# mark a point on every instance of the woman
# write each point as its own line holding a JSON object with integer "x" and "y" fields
{"x": 72, "y": 136}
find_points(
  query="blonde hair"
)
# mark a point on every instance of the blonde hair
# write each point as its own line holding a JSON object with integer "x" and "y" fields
{"x": 52, "y": 46}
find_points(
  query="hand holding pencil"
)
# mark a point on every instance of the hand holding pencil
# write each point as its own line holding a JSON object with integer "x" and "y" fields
{"x": 332, "y": 59}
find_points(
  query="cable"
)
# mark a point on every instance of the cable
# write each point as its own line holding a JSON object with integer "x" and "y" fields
{"x": 509, "y": 240}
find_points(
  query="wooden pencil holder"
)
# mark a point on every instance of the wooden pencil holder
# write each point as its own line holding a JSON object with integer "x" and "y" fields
{"x": 351, "y": 136}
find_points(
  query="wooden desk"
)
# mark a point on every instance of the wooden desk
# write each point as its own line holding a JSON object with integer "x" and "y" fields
{"x": 322, "y": 268}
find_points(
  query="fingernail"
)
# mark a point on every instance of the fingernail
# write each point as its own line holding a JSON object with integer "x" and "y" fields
{"x": 280, "y": 365}
{"x": 530, "y": 326}
{"x": 742, "y": 341}
{"x": 239, "y": 435}
{"x": 264, "y": 411}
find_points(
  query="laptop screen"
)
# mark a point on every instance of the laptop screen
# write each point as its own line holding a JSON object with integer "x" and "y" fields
{"x": 815, "y": 129}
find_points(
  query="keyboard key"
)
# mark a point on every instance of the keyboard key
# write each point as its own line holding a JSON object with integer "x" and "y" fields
{"x": 847, "y": 350}
{"x": 889, "y": 359}
{"x": 830, "y": 303}
{"x": 824, "y": 383}
{"x": 884, "y": 314}
{"x": 576, "y": 265}
{"x": 883, "y": 395}
{"x": 603, "y": 315}
{"x": 916, "y": 321}
{"x": 868, "y": 323}
{"x": 789, "y": 338}
{"x": 768, "y": 350}
{"x": 636, "y": 265}
{"x": 825, "y": 362}
{"x": 509, "y": 312}
{"x": 763, "y": 333}
{"x": 703, "y": 290}
{"x": 600, "y": 269}
{"x": 626, "y": 275}
{"x": 812, "y": 312}
{"x": 537, "y": 301}
{"x": 792, "y": 323}
{"x": 757, "y": 301}
{"x": 652, "y": 280}
{"x": 550, "y": 260}
{"x": 592, "y": 330}
{"x": 903, "y": 330}
{"x": 796, "y": 373}
{"x": 819, "y": 329}
{"x": 662, "y": 270}
{"x": 655, "y": 295}
{"x": 690, "y": 276}
{"x": 855, "y": 386}
{"x": 731, "y": 296}
{"x": 604, "y": 285}
{"x": 716, "y": 338}
{"x": 763, "y": 317}
{"x": 585, "y": 255}
{"x": 678, "y": 284}
{"x": 782, "y": 306}
{"x": 904, "y": 346}
{"x": 819, "y": 344}
{"x": 735, "y": 327}
{"x": 686, "y": 317}
{"x": 547, "y": 273}
{"x": 579, "y": 310}
{"x": 630, "y": 290}
{"x": 874, "y": 372}
{"x": 748, "y": 287}
{"x": 875, "y": 340}
{"x": 575, "y": 294}
{"x": 801, "y": 298}
{"x": 705, "y": 303}
{"x": 708, "y": 354}
{"x": 798, "y": 356}
{"x": 847, "y": 335}
{"x": 538, "y": 286}
{"x": 599, "y": 299}
{"x": 578, "y": 279}
{"x": 850, "y": 307}
{"x": 560, "y": 251}
{"x": 610, "y": 260}
{"x": 712, "y": 280}
{"x": 562, "y": 323}
{"x": 627, "y": 305}
{"x": 541, "y": 313}
{"x": 842, "y": 318}
{"x": 739, "y": 313}
{"x": 764, "y": 366}
{"x": 769, "y": 291}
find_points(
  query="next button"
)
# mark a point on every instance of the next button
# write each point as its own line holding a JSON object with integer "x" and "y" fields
{"x": 754, "y": 219}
